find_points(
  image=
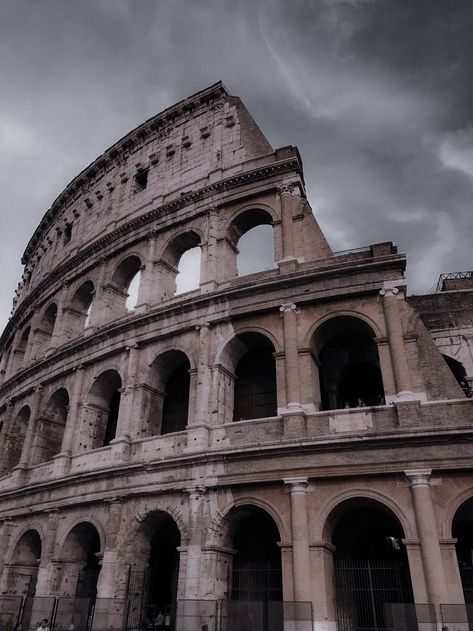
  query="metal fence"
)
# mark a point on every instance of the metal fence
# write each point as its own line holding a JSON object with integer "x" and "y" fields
{"x": 269, "y": 615}
{"x": 457, "y": 617}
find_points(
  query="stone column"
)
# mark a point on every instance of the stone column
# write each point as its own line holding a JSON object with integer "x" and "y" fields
{"x": 193, "y": 578}
{"x": 285, "y": 194}
{"x": 198, "y": 422}
{"x": 429, "y": 541}
{"x": 72, "y": 422}
{"x": 146, "y": 290}
{"x": 97, "y": 309}
{"x": 210, "y": 269}
{"x": 291, "y": 356}
{"x": 325, "y": 615}
{"x": 121, "y": 442}
{"x": 111, "y": 559}
{"x": 300, "y": 539}
{"x": 7, "y": 419}
{"x": 43, "y": 584}
{"x": 57, "y": 335}
{"x": 396, "y": 343}
{"x": 30, "y": 431}
{"x": 6, "y": 533}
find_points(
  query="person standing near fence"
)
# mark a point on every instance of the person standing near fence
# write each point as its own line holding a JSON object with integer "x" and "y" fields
{"x": 159, "y": 621}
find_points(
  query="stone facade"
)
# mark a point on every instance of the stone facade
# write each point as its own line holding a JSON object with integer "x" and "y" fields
{"x": 119, "y": 423}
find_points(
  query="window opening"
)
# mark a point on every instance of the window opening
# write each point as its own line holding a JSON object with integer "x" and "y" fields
{"x": 141, "y": 181}
{"x": 188, "y": 271}
{"x": 176, "y": 402}
{"x": 255, "y": 386}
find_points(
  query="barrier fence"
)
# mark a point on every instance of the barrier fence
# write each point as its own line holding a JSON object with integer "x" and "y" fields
{"x": 114, "y": 614}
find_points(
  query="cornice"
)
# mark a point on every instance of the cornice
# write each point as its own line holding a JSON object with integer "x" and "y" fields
{"x": 228, "y": 184}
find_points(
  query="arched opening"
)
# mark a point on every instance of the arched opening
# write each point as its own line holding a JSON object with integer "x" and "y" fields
{"x": 459, "y": 373}
{"x": 349, "y": 370}
{"x": 188, "y": 271}
{"x": 15, "y": 439}
{"x": 255, "y": 393}
{"x": 49, "y": 319}
{"x": 255, "y": 592}
{"x": 370, "y": 566}
{"x": 101, "y": 412}
{"x": 78, "y": 312}
{"x": 24, "y": 564}
{"x": 180, "y": 265}
{"x": 80, "y": 562}
{"x": 121, "y": 296}
{"x": 462, "y": 531}
{"x": 168, "y": 396}
{"x": 154, "y": 559}
{"x": 21, "y": 349}
{"x": 251, "y": 240}
{"x": 50, "y": 427}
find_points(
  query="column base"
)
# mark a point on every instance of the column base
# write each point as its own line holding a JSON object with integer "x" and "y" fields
{"x": 142, "y": 308}
{"x": 120, "y": 448}
{"x": 19, "y": 474}
{"x": 197, "y": 438}
{"x": 62, "y": 463}
{"x": 294, "y": 420}
{"x": 287, "y": 265}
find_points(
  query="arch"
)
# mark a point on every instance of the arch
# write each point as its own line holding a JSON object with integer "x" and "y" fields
{"x": 447, "y": 521}
{"x": 122, "y": 295}
{"x": 79, "y": 556}
{"x": 369, "y": 550}
{"x": 168, "y": 398}
{"x": 323, "y": 523}
{"x": 101, "y": 411}
{"x": 348, "y": 366}
{"x": 15, "y": 439}
{"x": 24, "y": 563}
{"x": 48, "y": 319}
{"x": 241, "y": 254}
{"x": 218, "y": 524}
{"x": 462, "y": 532}
{"x": 154, "y": 549}
{"x": 78, "y": 311}
{"x": 50, "y": 427}
{"x": 171, "y": 266}
{"x": 372, "y": 324}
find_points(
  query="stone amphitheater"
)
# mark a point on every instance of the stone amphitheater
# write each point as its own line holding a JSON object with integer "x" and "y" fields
{"x": 288, "y": 448}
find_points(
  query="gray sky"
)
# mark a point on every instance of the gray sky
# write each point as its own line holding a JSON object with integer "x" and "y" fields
{"x": 377, "y": 95}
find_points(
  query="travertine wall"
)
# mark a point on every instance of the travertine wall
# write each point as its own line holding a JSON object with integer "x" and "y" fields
{"x": 71, "y": 342}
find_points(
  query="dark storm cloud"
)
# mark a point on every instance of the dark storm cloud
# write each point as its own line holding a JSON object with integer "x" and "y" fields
{"x": 376, "y": 94}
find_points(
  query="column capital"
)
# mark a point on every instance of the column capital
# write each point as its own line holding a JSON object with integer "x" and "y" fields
{"x": 288, "y": 307}
{"x": 297, "y": 485}
{"x": 286, "y": 189}
{"x": 195, "y": 491}
{"x": 418, "y": 477}
{"x": 388, "y": 291}
{"x": 202, "y": 325}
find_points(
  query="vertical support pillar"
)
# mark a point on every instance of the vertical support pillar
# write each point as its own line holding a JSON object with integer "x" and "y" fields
{"x": 302, "y": 575}
{"x": 7, "y": 420}
{"x": 323, "y": 585}
{"x": 396, "y": 343}
{"x": 97, "y": 310}
{"x": 429, "y": 541}
{"x": 106, "y": 587}
{"x": 121, "y": 442}
{"x": 291, "y": 356}
{"x": 72, "y": 422}
{"x": 145, "y": 293}
{"x": 210, "y": 270}
{"x": 56, "y": 337}
{"x": 198, "y": 423}
{"x": 30, "y": 431}
{"x": 285, "y": 194}
{"x": 6, "y": 533}
{"x": 46, "y": 566}
{"x": 193, "y": 578}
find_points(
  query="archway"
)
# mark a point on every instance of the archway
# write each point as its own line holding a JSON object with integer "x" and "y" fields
{"x": 101, "y": 412}
{"x": 24, "y": 564}
{"x": 251, "y": 242}
{"x": 349, "y": 370}
{"x": 122, "y": 295}
{"x": 77, "y": 313}
{"x": 15, "y": 439}
{"x": 253, "y": 392}
{"x": 50, "y": 427}
{"x": 80, "y": 562}
{"x": 169, "y": 393}
{"x": 255, "y": 592}
{"x": 180, "y": 265}
{"x": 371, "y": 568}
{"x": 462, "y": 531}
{"x": 154, "y": 562}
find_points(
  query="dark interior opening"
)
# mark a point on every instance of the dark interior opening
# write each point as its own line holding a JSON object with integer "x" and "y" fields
{"x": 112, "y": 418}
{"x": 255, "y": 386}
{"x": 462, "y": 530}
{"x": 176, "y": 402}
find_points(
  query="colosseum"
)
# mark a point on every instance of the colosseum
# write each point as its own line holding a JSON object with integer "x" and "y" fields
{"x": 282, "y": 448}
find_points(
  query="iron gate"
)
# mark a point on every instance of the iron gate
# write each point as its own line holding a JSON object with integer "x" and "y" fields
{"x": 466, "y": 574}
{"x": 365, "y": 588}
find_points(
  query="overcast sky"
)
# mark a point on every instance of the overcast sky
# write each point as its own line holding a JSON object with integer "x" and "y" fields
{"x": 377, "y": 95}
